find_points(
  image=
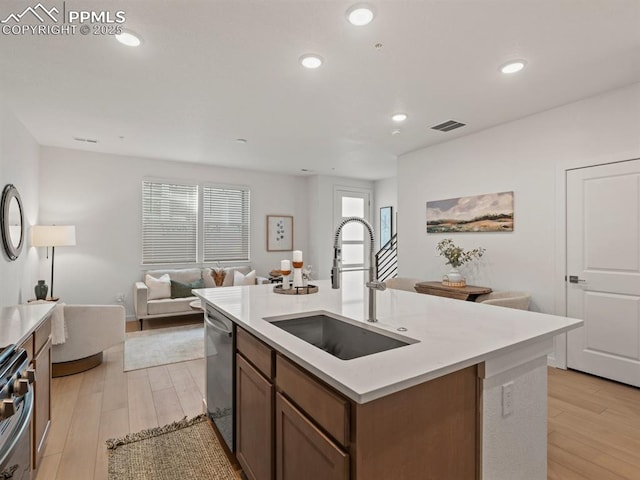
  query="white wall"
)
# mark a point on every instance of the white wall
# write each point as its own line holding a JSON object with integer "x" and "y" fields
{"x": 320, "y": 190}
{"x": 101, "y": 195}
{"x": 19, "y": 154}
{"x": 528, "y": 156}
{"x": 385, "y": 195}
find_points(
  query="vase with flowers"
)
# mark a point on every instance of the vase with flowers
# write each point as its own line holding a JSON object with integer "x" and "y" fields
{"x": 456, "y": 257}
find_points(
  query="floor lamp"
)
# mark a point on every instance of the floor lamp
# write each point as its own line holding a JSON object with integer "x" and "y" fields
{"x": 53, "y": 236}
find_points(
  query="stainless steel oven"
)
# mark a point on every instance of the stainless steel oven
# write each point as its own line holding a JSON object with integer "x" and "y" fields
{"x": 16, "y": 408}
{"x": 219, "y": 376}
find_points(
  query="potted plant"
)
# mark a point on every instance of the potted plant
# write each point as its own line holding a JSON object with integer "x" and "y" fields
{"x": 456, "y": 257}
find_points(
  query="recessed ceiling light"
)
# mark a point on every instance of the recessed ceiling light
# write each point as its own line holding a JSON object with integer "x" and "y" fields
{"x": 128, "y": 38}
{"x": 399, "y": 117}
{"x": 360, "y": 15}
{"x": 513, "y": 66}
{"x": 311, "y": 60}
{"x": 395, "y": 132}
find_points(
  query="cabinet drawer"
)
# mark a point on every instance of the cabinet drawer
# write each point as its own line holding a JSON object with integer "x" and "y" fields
{"x": 42, "y": 334}
{"x": 328, "y": 409}
{"x": 257, "y": 352}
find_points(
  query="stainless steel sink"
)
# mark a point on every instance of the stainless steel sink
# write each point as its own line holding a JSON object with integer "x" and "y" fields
{"x": 338, "y": 336}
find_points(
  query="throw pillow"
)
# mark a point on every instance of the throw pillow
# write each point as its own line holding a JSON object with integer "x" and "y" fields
{"x": 207, "y": 276}
{"x": 158, "y": 287}
{"x": 228, "y": 279}
{"x": 218, "y": 275}
{"x": 183, "y": 290}
{"x": 240, "y": 279}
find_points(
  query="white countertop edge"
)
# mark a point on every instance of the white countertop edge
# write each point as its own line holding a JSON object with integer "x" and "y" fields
{"x": 17, "y": 322}
{"x": 402, "y": 384}
{"x": 375, "y": 393}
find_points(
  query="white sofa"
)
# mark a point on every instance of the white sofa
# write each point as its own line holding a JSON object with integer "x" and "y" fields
{"x": 91, "y": 329}
{"x": 168, "y": 307}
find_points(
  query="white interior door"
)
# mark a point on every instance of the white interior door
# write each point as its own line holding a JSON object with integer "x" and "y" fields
{"x": 603, "y": 268}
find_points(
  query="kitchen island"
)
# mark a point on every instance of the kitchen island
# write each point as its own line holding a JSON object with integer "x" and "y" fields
{"x": 504, "y": 350}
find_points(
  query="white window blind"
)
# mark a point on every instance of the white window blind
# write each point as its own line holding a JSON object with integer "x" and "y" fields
{"x": 169, "y": 223}
{"x": 226, "y": 223}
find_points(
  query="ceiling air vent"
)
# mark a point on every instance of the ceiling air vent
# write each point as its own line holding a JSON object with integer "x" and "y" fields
{"x": 88, "y": 140}
{"x": 448, "y": 126}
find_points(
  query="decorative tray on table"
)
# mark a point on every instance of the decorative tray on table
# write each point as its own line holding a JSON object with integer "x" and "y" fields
{"x": 296, "y": 290}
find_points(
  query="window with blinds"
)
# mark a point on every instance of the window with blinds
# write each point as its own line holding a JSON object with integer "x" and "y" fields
{"x": 169, "y": 223}
{"x": 225, "y": 212}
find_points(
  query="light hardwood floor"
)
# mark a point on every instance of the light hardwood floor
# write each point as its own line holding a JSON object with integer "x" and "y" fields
{"x": 594, "y": 428}
{"x": 594, "y": 424}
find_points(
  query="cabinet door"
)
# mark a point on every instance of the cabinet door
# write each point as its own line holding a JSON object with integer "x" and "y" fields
{"x": 254, "y": 421}
{"x": 42, "y": 406}
{"x": 303, "y": 451}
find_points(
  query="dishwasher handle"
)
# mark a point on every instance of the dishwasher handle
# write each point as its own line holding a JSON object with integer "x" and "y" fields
{"x": 217, "y": 325}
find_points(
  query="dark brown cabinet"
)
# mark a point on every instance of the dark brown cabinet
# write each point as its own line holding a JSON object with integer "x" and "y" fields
{"x": 303, "y": 450}
{"x": 311, "y": 431}
{"x": 38, "y": 347}
{"x": 254, "y": 421}
{"x": 42, "y": 403}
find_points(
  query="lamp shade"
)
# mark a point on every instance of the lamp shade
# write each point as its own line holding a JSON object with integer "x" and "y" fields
{"x": 53, "y": 235}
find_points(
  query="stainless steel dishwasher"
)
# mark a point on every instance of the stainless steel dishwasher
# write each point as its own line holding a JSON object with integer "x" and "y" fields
{"x": 219, "y": 373}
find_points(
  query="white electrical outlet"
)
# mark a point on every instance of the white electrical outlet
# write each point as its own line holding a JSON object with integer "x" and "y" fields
{"x": 120, "y": 297}
{"x": 507, "y": 399}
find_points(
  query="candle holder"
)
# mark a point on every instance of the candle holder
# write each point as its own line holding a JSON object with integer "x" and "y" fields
{"x": 297, "y": 274}
{"x": 285, "y": 279}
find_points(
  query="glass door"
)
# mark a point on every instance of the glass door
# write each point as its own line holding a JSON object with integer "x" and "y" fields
{"x": 355, "y": 238}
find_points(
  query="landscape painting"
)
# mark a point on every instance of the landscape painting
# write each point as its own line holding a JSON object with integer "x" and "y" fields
{"x": 492, "y": 212}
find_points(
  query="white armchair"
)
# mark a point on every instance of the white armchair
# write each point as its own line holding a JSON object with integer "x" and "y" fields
{"x": 91, "y": 329}
{"x": 510, "y": 299}
{"x": 402, "y": 283}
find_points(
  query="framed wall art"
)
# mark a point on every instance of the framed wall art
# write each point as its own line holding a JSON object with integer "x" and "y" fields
{"x": 492, "y": 212}
{"x": 279, "y": 233}
{"x": 386, "y": 225}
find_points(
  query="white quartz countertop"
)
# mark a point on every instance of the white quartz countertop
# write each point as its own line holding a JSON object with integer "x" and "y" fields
{"x": 451, "y": 334}
{"x": 19, "y": 321}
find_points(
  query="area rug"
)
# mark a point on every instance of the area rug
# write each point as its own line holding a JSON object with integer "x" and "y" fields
{"x": 161, "y": 346}
{"x": 186, "y": 449}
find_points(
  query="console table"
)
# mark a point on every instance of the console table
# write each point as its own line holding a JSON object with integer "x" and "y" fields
{"x": 469, "y": 292}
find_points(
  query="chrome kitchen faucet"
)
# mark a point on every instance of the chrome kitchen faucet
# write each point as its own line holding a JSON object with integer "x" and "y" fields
{"x": 373, "y": 283}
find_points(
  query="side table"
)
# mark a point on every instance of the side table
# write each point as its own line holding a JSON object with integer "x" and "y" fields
{"x": 48, "y": 299}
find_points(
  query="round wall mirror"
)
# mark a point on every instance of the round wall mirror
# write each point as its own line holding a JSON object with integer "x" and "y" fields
{"x": 12, "y": 221}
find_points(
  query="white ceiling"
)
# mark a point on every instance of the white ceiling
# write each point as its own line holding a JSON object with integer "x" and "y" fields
{"x": 210, "y": 72}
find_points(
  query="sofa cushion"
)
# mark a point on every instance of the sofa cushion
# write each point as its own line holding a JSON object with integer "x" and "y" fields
{"x": 170, "y": 305}
{"x": 182, "y": 290}
{"x": 228, "y": 277}
{"x": 159, "y": 287}
{"x": 248, "y": 279}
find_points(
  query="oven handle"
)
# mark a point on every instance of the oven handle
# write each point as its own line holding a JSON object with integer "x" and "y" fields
{"x": 25, "y": 418}
{"x": 217, "y": 325}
